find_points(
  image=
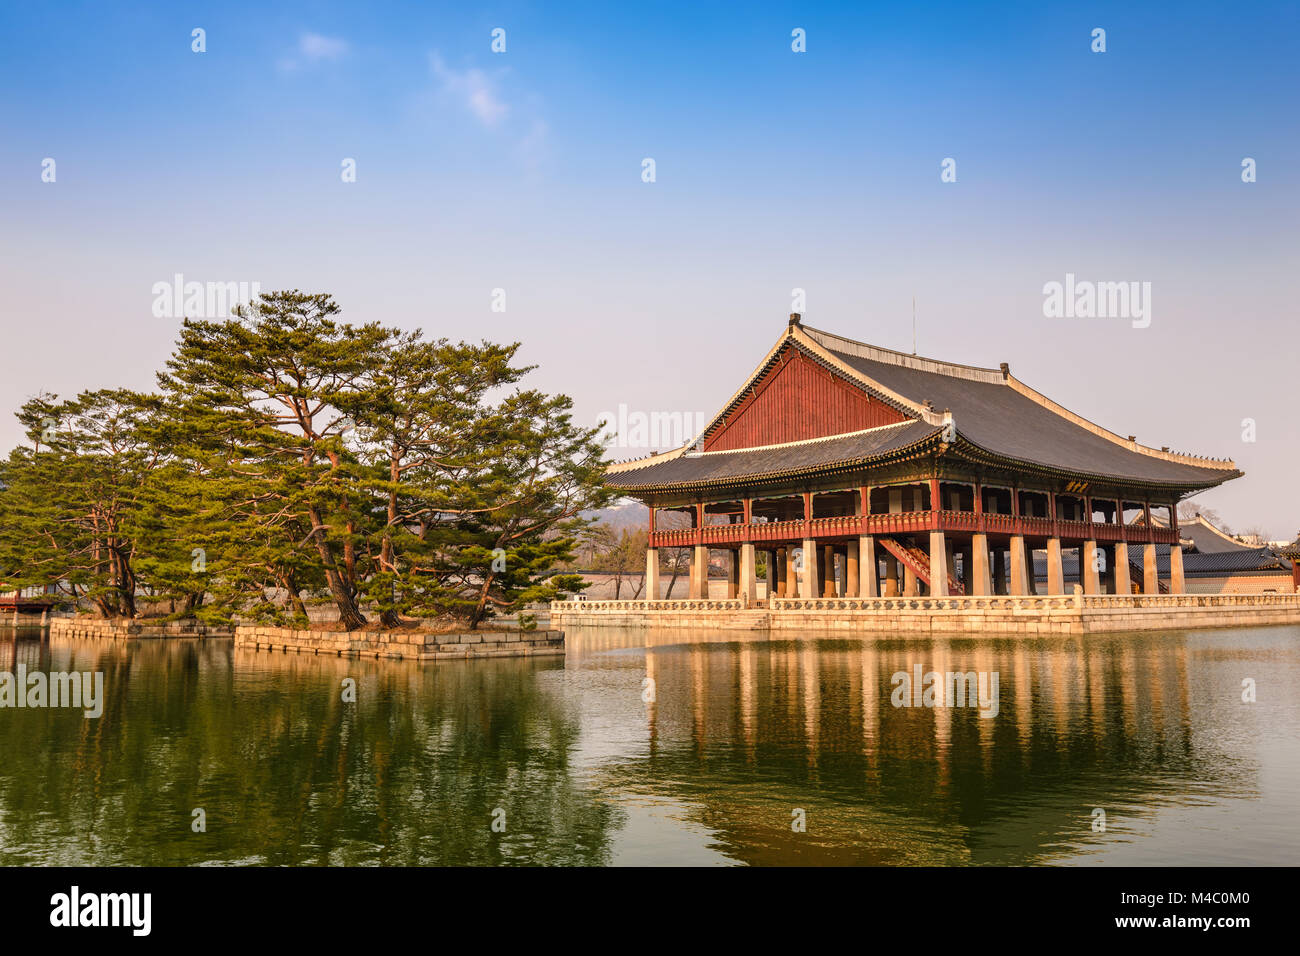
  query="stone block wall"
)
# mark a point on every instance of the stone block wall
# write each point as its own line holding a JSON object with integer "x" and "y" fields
{"x": 403, "y": 644}
{"x": 91, "y": 627}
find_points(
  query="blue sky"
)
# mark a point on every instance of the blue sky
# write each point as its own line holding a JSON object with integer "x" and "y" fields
{"x": 775, "y": 170}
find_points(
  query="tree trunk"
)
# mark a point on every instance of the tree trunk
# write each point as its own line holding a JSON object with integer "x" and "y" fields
{"x": 481, "y": 607}
{"x": 349, "y": 615}
{"x": 389, "y": 617}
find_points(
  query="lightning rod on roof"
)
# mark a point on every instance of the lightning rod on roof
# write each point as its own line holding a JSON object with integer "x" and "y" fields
{"x": 913, "y": 325}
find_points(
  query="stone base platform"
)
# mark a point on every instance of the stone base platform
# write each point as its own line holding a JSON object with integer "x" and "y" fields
{"x": 90, "y": 627}
{"x": 403, "y": 645}
{"x": 1058, "y": 614}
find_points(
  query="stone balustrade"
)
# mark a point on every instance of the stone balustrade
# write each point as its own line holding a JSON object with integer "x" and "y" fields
{"x": 1013, "y": 614}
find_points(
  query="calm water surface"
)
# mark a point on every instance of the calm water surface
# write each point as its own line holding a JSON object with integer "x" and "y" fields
{"x": 742, "y": 732}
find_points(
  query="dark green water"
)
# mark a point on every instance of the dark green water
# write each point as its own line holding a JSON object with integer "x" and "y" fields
{"x": 742, "y": 733}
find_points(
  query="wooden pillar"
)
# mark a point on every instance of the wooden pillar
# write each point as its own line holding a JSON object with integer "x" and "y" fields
{"x": 783, "y": 572}
{"x": 733, "y": 577}
{"x": 1150, "y": 570}
{"x": 828, "y": 571}
{"x": 1018, "y": 583}
{"x": 852, "y": 570}
{"x": 1177, "y": 584}
{"x": 1088, "y": 574}
{"x": 651, "y": 589}
{"x": 891, "y": 576}
{"x": 1055, "y": 571}
{"x": 1122, "y": 579}
{"x": 748, "y": 574}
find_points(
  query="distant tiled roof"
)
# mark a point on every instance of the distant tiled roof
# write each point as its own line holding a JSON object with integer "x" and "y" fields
{"x": 1210, "y": 564}
{"x": 772, "y": 461}
{"x": 1207, "y": 537}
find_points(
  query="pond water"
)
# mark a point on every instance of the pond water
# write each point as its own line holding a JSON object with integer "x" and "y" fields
{"x": 664, "y": 747}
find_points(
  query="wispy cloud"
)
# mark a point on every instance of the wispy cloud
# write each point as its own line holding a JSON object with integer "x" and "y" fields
{"x": 473, "y": 88}
{"x": 314, "y": 48}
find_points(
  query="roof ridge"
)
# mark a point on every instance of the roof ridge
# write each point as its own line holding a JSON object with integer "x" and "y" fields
{"x": 809, "y": 441}
{"x": 974, "y": 373}
{"x": 1206, "y": 523}
{"x": 653, "y": 458}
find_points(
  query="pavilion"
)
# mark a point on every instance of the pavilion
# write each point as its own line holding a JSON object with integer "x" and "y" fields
{"x": 865, "y": 472}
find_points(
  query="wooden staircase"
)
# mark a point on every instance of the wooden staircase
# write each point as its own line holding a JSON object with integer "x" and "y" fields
{"x": 916, "y": 559}
{"x": 1135, "y": 580}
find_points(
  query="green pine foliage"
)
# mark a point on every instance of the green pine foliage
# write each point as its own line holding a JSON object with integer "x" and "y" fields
{"x": 290, "y": 457}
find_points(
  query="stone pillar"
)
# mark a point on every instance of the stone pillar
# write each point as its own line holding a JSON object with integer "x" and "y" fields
{"x": 808, "y": 584}
{"x": 852, "y": 571}
{"x": 891, "y": 576}
{"x": 1177, "y": 584}
{"x": 790, "y": 586}
{"x": 981, "y": 583}
{"x": 1150, "y": 570}
{"x": 938, "y": 565}
{"x": 733, "y": 589}
{"x": 828, "y": 571}
{"x": 699, "y": 572}
{"x": 911, "y": 586}
{"x": 1055, "y": 572}
{"x": 1123, "y": 581}
{"x": 1018, "y": 583}
{"x": 748, "y": 575}
{"x": 651, "y": 589}
{"x": 1088, "y": 568}
{"x": 999, "y": 572}
{"x": 867, "y": 567}
{"x": 769, "y": 559}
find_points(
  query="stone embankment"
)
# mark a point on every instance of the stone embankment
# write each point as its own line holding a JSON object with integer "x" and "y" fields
{"x": 403, "y": 644}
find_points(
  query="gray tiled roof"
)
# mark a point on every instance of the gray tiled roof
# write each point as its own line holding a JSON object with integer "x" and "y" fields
{"x": 776, "y": 460}
{"x": 1002, "y": 420}
{"x": 1206, "y": 540}
{"x": 1210, "y": 564}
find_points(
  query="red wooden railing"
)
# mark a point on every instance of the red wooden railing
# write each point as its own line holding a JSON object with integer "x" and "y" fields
{"x": 908, "y": 522}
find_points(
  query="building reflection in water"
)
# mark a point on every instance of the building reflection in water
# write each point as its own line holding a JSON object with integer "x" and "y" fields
{"x": 747, "y": 729}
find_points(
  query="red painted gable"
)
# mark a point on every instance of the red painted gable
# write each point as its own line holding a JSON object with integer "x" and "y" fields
{"x": 798, "y": 399}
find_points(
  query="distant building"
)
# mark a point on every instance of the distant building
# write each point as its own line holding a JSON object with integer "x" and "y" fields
{"x": 1214, "y": 562}
{"x": 1292, "y": 553}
